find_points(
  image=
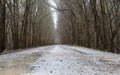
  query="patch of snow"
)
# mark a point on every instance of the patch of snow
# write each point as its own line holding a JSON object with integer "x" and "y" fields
{"x": 58, "y": 49}
{"x": 86, "y": 50}
{"x": 38, "y": 73}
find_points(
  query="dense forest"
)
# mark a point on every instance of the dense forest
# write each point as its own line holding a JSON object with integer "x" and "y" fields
{"x": 89, "y": 23}
{"x": 24, "y": 24}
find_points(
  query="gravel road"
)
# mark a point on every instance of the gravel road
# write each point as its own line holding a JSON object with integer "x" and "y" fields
{"x": 60, "y": 60}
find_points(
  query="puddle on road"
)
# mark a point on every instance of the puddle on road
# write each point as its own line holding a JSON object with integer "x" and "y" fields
{"x": 18, "y": 67}
{"x": 15, "y": 70}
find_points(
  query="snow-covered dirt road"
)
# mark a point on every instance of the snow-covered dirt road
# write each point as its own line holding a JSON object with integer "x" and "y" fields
{"x": 60, "y": 60}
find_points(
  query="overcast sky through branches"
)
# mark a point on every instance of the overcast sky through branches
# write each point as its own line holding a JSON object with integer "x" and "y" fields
{"x": 54, "y": 14}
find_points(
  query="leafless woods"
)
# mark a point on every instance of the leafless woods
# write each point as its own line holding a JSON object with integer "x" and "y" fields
{"x": 89, "y": 23}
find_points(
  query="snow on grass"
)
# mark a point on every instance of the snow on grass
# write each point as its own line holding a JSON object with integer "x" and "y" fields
{"x": 22, "y": 54}
{"x": 106, "y": 55}
{"x": 87, "y": 50}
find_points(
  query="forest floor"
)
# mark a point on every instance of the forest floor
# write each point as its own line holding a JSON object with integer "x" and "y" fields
{"x": 60, "y": 60}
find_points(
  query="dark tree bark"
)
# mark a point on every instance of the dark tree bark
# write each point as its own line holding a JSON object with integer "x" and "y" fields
{"x": 2, "y": 24}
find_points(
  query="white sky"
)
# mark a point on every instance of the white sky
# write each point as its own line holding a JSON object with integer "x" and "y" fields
{"x": 54, "y": 14}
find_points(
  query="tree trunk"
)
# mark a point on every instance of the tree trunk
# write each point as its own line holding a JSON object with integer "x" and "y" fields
{"x": 2, "y": 25}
